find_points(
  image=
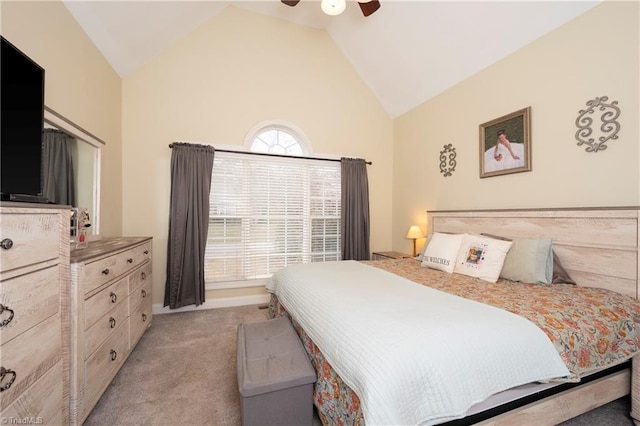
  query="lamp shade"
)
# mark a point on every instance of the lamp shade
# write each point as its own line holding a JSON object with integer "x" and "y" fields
{"x": 414, "y": 232}
{"x": 333, "y": 7}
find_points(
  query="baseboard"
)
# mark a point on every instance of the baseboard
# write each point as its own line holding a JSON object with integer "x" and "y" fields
{"x": 226, "y": 302}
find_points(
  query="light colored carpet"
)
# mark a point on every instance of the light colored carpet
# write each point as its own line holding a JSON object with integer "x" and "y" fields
{"x": 183, "y": 372}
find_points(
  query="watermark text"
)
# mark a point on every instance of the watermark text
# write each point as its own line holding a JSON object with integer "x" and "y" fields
{"x": 22, "y": 420}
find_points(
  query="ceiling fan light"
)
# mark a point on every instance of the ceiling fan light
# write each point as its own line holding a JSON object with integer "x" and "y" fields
{"x": 333, "y": 7}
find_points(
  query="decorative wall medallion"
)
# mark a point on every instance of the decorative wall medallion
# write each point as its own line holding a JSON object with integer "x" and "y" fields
{"x": 448, "y": 153}
{"x": 609, "y": 126}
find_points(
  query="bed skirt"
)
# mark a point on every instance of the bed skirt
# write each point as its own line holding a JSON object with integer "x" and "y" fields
{"x": 335, "y": 402}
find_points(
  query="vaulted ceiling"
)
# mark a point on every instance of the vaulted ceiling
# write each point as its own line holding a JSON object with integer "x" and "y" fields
{"x": 407, "y": 52}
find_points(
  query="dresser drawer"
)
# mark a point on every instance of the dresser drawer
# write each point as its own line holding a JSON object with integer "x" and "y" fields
{"x": 104, "y": 270}
{"x": 140, "y": 320}
{"x": 41, "y": 403}
{"x": 140, "y": 276}
{"x": 140, "y": 295}
{"x": 135, "y": 257}
{"x": 102, "y": 366}
{"x": 35, "y": 238}
{"x": 104, "y": 327}
{"x": 103, "y": 301}
{"x": 28, "y": 300}
{"x": 100, "y": 272}
{"x": 29, "y": 355}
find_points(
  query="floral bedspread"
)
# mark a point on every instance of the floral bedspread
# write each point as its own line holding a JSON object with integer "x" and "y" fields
{"x": 591, "y": 328}
{"x": 337, "y": 403}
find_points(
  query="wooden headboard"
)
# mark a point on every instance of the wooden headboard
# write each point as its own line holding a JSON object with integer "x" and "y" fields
{"x": 598, "y": 247}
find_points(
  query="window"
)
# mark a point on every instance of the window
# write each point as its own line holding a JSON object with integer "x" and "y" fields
{"x": 276, "y": 141}
{"x": 268, "y": 212}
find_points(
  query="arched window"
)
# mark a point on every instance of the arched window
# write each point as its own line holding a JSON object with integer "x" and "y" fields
{"x": 276, "y": 137}
{"x": 276, "y": 141}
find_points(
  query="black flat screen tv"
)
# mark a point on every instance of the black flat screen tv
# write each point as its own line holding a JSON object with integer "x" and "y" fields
{"x": 21, "y": 122}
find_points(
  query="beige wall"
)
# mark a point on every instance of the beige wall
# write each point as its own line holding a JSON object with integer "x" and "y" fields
{"x": 593, "y": 55}
{"x": 218, "y": 82}
{"x": 236, "y": 70}
{"x": 79, "y": 84}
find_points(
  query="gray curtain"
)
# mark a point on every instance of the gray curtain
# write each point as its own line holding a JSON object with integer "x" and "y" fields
{"x": 191, "y": 167}
{"x": 355, "y": 209}
{"x": 57, "y": 167}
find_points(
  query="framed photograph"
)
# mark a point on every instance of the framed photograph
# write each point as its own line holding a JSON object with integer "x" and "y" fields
{"x": 505, "y": 144}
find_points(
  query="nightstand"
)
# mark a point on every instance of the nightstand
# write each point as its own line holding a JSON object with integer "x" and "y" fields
{"x": 379, "y": 255}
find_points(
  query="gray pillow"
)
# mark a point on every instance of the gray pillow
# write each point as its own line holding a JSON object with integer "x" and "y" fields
{"x": 530, "y": 261}
{"x": 559, "y": 275}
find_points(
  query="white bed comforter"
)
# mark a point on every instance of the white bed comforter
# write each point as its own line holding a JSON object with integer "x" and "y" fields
{"x": 413, "y": 355}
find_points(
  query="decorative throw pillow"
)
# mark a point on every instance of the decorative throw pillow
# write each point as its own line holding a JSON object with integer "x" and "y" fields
{"x": 529, "y": 261}
{"x": 559, "y": 274}
{"x": 442, "y": 251}
{"x": 481, "y": 257}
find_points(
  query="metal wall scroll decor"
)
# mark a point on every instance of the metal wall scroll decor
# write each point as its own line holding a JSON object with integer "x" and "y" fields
{"x": 448, "y": 160}
{"x": 609, "y": 126}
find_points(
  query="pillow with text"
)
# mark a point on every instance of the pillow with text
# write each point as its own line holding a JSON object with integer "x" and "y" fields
{"x": 442, "y": 251}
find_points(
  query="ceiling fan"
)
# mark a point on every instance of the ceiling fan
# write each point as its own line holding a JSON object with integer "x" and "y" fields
{"x": 336, "y": 7}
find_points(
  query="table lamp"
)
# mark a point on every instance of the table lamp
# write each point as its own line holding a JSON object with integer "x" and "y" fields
{"x": 414, "y": 233}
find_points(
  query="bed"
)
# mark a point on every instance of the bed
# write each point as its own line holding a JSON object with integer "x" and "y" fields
{"x": 598, "y": 248}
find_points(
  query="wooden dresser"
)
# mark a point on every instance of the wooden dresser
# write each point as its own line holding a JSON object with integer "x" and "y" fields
{"x": 380, "y": 255}
{"x": 111, "y": 304}
{"x": 34, "y": 314}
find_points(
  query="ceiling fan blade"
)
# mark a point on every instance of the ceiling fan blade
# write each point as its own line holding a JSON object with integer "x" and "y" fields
{"x": 369, "y": 7}
{"x": 290, "y": 2}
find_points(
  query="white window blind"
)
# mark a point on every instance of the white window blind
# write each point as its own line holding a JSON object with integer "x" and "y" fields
{"x": 270, "y": 212}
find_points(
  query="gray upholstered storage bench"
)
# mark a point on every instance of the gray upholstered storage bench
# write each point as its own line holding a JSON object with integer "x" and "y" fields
{"x": 275, "y": 376}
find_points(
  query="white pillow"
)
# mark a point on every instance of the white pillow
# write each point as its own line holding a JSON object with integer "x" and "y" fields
{"x": 481, "y": 257}
{"x": 442, "y": 251}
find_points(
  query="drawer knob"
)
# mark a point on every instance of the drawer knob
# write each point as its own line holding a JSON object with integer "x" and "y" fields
{"x": 114, "y": 355}
{"x": 144, "y": 317}
{"x": 105, "y": 271}
{"x": 143, "y": 275}
{"x": 4, "y": 372}
{"x": 146, "y": 252}
{"x": 143, "y": 293}
{"x": 114, "y": 297}
{"x": 130, "y": 260}
{"x": 6, "y": 243}
{"x": 9, "y": 318}
{"x": 112, "y": 322}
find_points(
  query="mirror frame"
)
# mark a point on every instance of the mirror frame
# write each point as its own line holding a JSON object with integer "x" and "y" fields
{"x": 53, "y": 118}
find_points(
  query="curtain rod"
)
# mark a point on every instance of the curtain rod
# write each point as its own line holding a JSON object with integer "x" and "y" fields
{"x": 276, "y": 155}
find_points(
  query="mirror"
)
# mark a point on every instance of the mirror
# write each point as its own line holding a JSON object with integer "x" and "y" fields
{"x": 85, "y": 152}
